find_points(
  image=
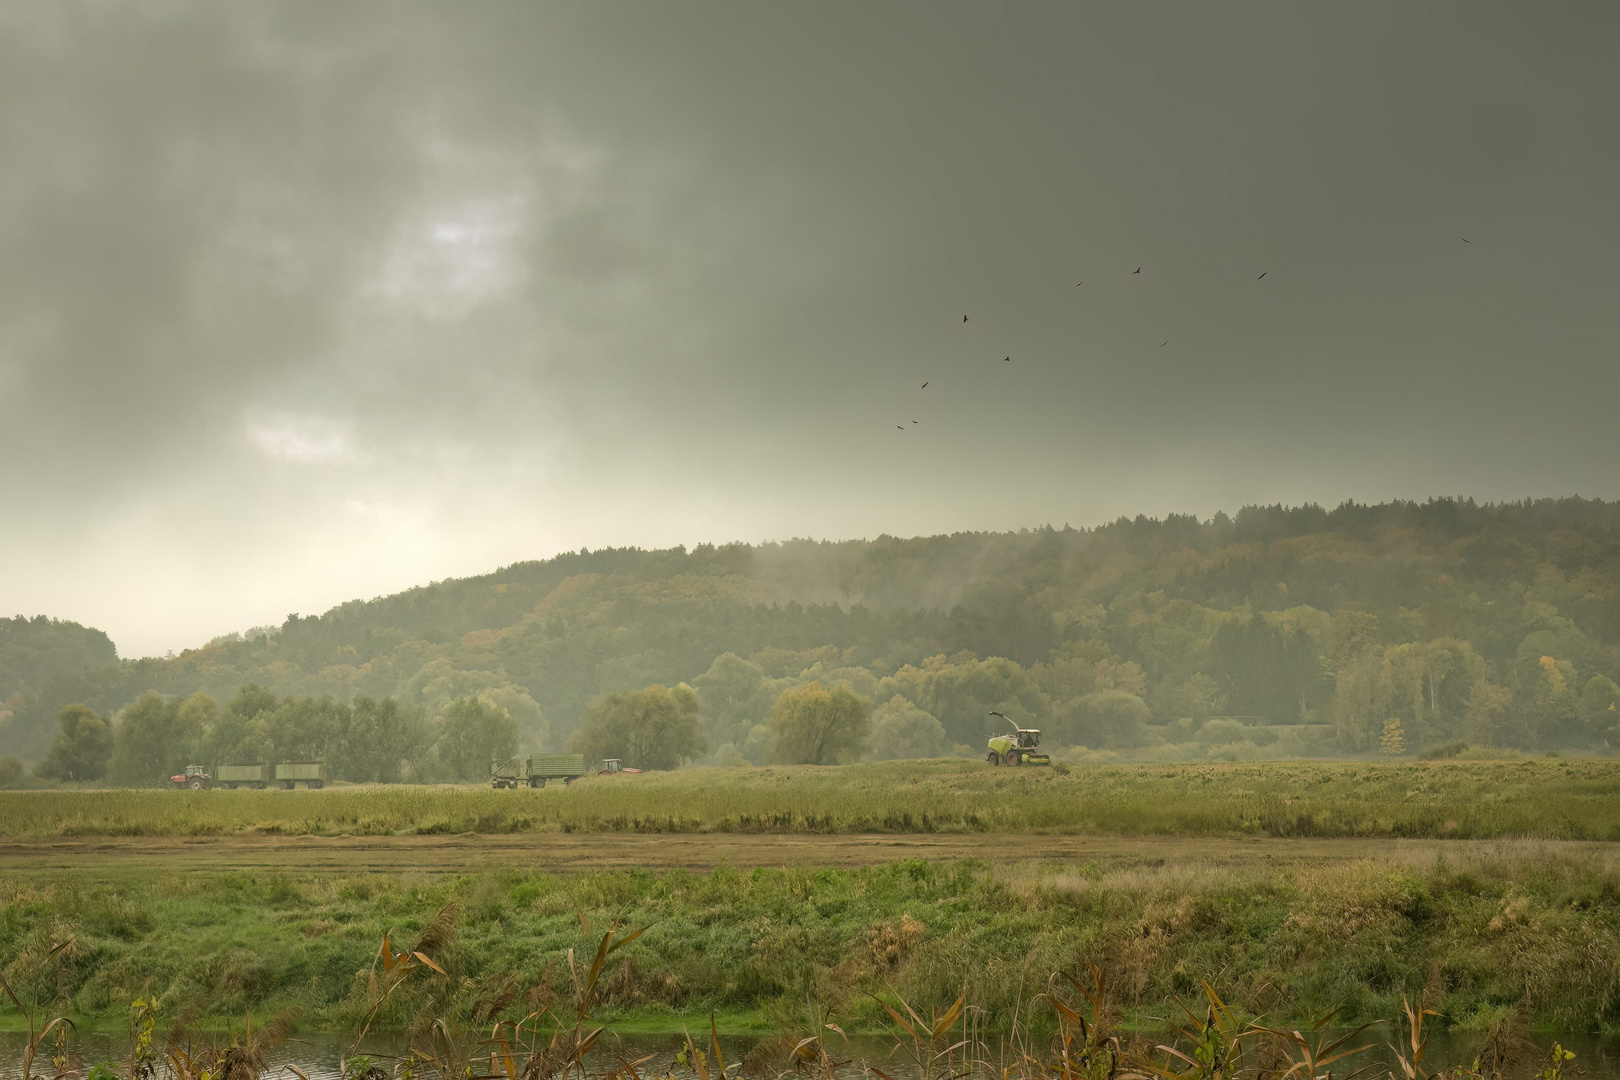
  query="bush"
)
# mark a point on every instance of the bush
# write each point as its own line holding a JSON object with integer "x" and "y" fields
{"x": 1443, "y": 751}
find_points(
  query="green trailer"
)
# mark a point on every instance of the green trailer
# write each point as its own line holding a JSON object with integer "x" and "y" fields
{"x": 507, "y": 773}
{"x": 535, "y": 770}
{"x": 231, "y": 776}
{"x": 564, "y": 767}
{"x": 312, "y": 774}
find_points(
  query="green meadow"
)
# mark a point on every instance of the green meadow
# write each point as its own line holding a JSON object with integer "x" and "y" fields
{"x": 1491, "y": 931}
{"x": 1555, "y": 798}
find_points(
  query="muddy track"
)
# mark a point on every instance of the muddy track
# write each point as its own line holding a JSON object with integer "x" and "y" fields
{"x": 581, "y": 852}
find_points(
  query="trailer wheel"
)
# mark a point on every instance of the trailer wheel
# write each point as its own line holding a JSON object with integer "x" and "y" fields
{"x": 537, "y": 781}
{"x": 317, "y": 784}
{"x": 994, "y": 758}
{"x": 567, "y": 780}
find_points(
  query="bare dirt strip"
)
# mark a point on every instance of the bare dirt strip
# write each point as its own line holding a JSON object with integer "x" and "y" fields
{"x": 583, "y": 852}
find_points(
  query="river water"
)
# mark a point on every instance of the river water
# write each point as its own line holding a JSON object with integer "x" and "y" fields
{"x": 318, "y": 1054}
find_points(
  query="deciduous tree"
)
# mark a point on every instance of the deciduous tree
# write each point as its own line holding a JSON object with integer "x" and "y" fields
{"x": 472, "y": 733}
{"x": 655, "y": 728}
{"x": 380, "y": 738}
{"x": 154, "y": 739}
{"x": 811, "y": 725}
{"x": 901, "y": 730}
{"x": 81, "y": 748}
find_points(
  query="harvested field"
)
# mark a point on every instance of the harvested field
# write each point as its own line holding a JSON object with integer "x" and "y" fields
{"x": 580, "y": 852}
{"x": 1576, "y": 799}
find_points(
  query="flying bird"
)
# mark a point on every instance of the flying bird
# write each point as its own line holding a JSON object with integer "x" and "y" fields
{"x": 1163, "y": 343}
{"x": 924, "y": 386}
{"x": 1078, "y": 284}
{"x": 964, "y": 318}
{"x": 1138, "y": 270}
{"x": 1263, "y": 274}
{"x": 1465, "y": 239}
{"x": 914, "y": 421}
{"x": 899, "y": 427}
{"x": 1009, "y": 359}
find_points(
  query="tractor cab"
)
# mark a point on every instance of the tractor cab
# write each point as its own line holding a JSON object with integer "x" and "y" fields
{"x": 195, "y": 777}
{"x": 611, "y": 767}
{"x": 1022, "y": 747}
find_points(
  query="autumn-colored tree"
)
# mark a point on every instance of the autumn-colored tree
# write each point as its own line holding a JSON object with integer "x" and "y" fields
{"x": 1393, "y": 744}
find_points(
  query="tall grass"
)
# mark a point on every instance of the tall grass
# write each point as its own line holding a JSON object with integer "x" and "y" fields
{"x": 561, "y": 1041}
{"x": 1518, "y": 927}
{"x": 1567, "y": 799}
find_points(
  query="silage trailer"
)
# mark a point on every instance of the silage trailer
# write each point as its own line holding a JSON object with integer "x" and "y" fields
{"x": 230, "y": 776}
{"x": 312, "y": 774}
{"x": 535, "y": 770}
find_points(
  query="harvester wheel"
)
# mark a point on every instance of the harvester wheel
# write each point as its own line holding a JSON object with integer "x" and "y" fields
{"x": 1014, "y": 758}
{"x": 994, "y": 758}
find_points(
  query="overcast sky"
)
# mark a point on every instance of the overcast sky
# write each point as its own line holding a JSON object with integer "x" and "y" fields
{"x": 301, "y": 302}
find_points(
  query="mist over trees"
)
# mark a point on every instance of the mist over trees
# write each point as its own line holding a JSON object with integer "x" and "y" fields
{"x": 32, "y": 651}
{"x": 1278, "y": 631}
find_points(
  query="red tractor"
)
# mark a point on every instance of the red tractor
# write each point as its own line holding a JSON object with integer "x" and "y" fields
{"x": 611, "y": 767}
{"x": 195, "y": 777}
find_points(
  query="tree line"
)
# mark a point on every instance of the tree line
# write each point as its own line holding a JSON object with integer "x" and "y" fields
{"x": 367, "y": 739}
{"x": 1277, "y": 630}
{"x": 372, "y": 740}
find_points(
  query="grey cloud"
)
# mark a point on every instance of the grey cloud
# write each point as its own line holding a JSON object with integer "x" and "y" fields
{"x": 338, "y": 288}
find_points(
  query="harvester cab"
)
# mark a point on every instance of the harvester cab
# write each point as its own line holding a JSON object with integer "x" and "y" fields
{"x": 1022, "y": 747}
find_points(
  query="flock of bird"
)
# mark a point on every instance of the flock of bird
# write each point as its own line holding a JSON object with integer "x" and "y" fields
{"x": 1162, "y": 344}
{"x": 1008, "y": 359}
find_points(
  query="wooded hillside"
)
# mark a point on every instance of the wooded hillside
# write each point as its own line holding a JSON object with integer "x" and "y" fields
{"x": 1295, "y": 630}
